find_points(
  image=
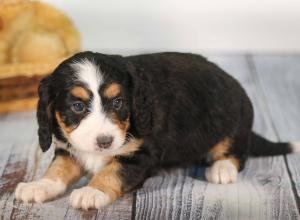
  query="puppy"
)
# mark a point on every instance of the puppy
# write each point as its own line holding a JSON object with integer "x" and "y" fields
{"x": 121, "y": 119}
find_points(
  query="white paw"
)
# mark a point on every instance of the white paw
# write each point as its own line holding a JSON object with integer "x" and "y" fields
{"x": 295, "y": 147}
{"x": 39, "y": 191}
{"x": 222, "y": 171}
{"x": 88, "y": 198}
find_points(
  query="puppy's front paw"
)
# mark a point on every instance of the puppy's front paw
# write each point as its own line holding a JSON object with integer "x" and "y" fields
{"x": 88, "y": 198}
{"x": 222, "y": 171}
{"x": 39, "y": 191}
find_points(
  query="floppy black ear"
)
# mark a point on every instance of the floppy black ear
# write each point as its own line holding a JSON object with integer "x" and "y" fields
{"x": 142, "y": 106}
{"x": 45, "y": 114}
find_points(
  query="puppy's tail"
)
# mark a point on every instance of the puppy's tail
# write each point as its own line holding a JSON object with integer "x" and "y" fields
{"x": 262, "y": 147}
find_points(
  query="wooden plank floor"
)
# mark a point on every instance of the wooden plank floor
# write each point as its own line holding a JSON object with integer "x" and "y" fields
{"x": 268, "y": 188}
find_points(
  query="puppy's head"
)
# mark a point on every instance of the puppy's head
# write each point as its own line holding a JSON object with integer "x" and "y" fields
{"x": 86, "y": 103}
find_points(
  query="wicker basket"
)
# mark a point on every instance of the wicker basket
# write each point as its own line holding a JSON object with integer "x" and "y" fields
{"x": 34, "y": 38}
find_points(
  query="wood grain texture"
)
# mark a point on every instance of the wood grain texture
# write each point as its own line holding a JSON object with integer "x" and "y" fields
{"x": 18, "y": 127}
{"x": 263, "y": 190}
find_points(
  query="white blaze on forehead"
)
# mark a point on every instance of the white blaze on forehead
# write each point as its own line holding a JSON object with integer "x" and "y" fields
{"x": 89, "y": 73}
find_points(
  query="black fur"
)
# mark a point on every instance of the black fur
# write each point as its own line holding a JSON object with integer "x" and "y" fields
{"x": 180, "y": 104}
{"x": 45, "y": 114}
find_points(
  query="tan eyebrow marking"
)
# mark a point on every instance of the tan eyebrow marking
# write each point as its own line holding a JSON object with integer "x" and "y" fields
{"x": 80, "y": 92}
{"x": 112, "y": 90}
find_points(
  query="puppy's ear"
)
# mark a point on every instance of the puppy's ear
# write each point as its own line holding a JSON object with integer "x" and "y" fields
{"x": 45, "y": 114}
{"x": 141, "y": 101}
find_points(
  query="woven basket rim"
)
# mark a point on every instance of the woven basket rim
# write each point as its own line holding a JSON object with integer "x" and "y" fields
{"x": 28, "y": 69}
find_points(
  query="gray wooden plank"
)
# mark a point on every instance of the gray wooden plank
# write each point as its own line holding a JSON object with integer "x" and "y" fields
{"x": 280, "y": 77}
{"x": 22, "y": 160}
{"x": 293, "y": 164}
{"x": 18, "y": 126}
{"x": 15, "y": 170}
{"x": 263, "y": 190}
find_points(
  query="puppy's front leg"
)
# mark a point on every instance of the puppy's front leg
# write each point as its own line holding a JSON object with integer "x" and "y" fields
{"x": 62, "y": 172}
{"x": 104, "y": 188}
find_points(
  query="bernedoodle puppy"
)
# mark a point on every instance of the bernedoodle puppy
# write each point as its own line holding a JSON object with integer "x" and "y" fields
{"x": 122, "y": 119}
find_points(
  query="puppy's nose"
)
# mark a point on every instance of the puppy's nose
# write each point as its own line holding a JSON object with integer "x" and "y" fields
{"x": 104, "y": 141}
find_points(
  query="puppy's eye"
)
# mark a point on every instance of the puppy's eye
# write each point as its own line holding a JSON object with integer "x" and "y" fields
{"x": 117, "y": 103}
{"x": 78, "y": 107}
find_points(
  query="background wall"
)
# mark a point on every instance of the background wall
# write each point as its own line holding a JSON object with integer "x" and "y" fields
{"x": 130, "y": 26}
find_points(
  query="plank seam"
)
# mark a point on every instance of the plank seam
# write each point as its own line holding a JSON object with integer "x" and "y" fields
{"x": 133, "y": 209}
{"x": 293, "y": 184}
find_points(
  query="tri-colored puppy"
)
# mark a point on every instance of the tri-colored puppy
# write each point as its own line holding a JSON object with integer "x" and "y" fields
{"x": 121, "y": 119}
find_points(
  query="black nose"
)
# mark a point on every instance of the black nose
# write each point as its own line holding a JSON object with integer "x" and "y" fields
{"x": 104, "y": 141}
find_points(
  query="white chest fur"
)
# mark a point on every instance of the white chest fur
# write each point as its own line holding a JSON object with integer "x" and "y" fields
{"x": 91, "y": 162}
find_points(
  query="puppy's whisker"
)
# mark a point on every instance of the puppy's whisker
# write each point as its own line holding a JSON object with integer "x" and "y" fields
{"x": 128, "y": 134}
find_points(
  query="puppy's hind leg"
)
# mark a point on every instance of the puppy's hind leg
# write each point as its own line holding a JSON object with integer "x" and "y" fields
{"x": 226, "y": 162}
{"x": 229, "y": 155}
{"x": 223, "y": 171}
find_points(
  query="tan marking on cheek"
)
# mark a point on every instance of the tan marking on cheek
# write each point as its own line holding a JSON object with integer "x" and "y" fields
{"x": 219, "y": 150}
{"x": 131, "y": 147}
{"x": 63, "y": 126}
{"x": 108, "y": 180}
{"x": 80, "y": 92}
{"x": 122, "y": 125}
{"x": 112, "y": 90}
{"x": 65, "y": 169}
